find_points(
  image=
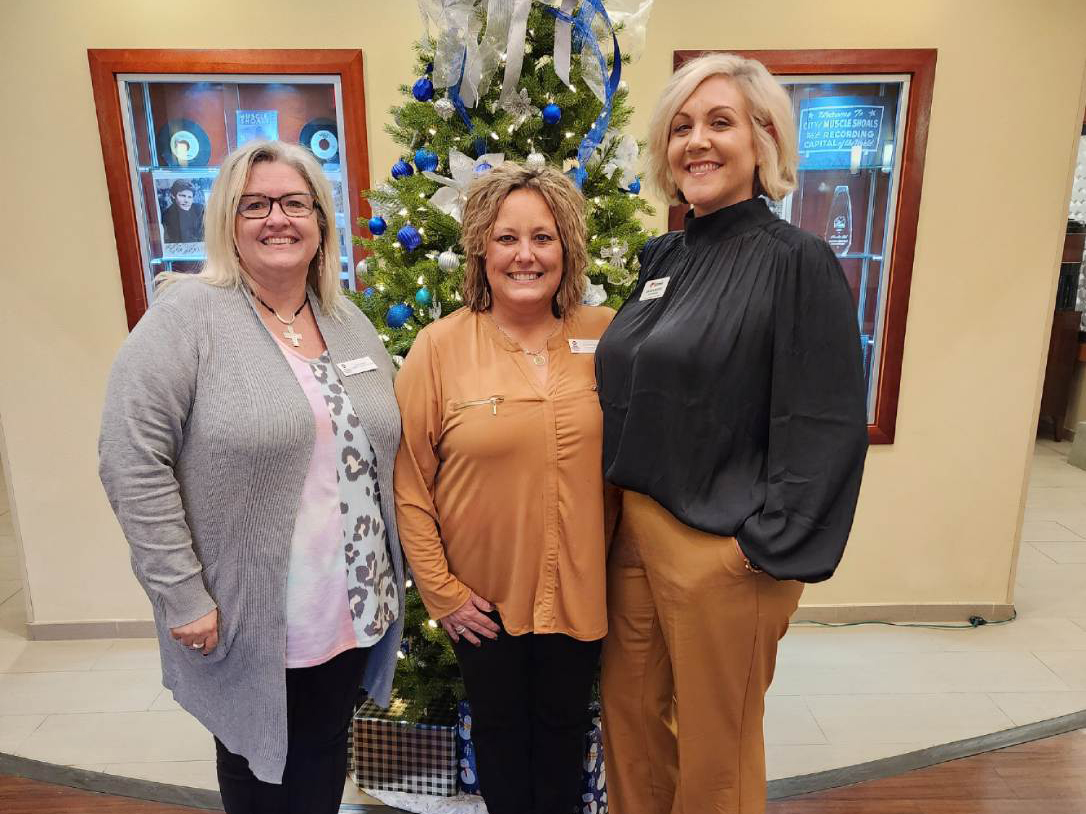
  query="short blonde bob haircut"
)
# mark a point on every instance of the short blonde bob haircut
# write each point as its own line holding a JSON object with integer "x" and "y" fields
{"x": 770, "y": 114}
{"x": 485, "y": 197}
{"x": 223, "y": 266}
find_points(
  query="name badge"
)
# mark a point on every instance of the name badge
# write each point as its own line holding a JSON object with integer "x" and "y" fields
{"x": 654, "y": 289}
{"x": 354, "y": 366}
{"x": 583, "y": 345}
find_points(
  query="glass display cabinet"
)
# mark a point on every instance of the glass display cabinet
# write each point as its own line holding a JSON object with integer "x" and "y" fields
{"x": 861, "y": 120}
{"x": 168, "y": 118}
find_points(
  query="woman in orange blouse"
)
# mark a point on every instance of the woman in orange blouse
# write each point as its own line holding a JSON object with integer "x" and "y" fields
{"x": 499, "y": 492}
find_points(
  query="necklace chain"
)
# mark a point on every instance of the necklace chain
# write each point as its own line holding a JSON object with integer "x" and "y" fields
{"x": 276, "y": 313}
{"x": 538, "y": 357}
{"x": 292, "y": 335}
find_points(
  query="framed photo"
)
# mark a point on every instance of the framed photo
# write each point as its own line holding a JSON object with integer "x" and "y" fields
{"x": 181, "y": 198}
{"x": 862, "y": 124}
{"x": 167, "y": 119}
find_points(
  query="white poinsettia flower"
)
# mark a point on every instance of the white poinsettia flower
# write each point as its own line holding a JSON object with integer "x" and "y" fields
{"x": 451, "y": 197}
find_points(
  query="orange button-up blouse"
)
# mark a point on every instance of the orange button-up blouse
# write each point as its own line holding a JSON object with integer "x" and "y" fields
{"x": 499, "y": 485}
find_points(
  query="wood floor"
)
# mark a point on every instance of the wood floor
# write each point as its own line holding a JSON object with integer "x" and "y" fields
{"x": 1043, "y": 777}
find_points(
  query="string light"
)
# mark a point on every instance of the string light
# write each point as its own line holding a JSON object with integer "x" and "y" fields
{"x": 408, "y": 584}
{"x": 421, "y": 280}
{"x": 403, "y": 212}
{"x": 432, "y": 131}
{"x": 431, "y": 623}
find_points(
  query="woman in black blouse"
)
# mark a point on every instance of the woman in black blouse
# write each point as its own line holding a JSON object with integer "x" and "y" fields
{"x": 734, "y": 419}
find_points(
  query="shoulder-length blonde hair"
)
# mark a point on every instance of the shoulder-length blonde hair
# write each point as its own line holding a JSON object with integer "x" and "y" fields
{"x": 485, "y": 197}
{"x": 770, "y": 114}
{"x": 223, "y": 266}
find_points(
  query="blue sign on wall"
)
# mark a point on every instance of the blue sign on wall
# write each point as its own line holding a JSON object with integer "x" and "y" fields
{"x": 830, "y": 127}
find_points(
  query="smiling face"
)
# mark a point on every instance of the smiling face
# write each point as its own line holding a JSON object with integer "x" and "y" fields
{"x": 710, "y": 149}
{"x": 184, "y": 199}
{"x": 276, "y": 245}
{"x": 524, "y": 254}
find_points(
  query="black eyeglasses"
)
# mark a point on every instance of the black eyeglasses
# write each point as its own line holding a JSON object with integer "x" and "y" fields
{"x": 294, "y": 205}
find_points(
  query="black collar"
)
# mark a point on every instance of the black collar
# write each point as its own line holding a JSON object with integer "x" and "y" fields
{"x": 727, "y": 222}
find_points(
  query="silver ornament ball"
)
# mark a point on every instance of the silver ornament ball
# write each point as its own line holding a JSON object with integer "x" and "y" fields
{"x": 444, "y": 108}
{"x": 536, "y": 161}
{"x": 448, "y": 261}
{"x": 361, "y": 268}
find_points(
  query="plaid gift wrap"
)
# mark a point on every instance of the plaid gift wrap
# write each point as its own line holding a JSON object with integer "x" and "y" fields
{"x": 401, "y": 756}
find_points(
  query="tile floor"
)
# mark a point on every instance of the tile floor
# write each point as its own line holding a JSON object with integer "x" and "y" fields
{"x": 841, "y": 696}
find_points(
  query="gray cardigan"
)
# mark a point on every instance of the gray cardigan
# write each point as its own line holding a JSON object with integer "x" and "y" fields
{"x": 206, "y": 437}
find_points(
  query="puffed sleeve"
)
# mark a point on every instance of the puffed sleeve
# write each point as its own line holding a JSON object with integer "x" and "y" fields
{"x": 148, "y": 398}
{"x": 818, "y": 422}
{"x": 418, "y": 391}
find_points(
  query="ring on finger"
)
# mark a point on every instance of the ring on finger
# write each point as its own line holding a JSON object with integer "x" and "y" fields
{"x": 459, "y": 629}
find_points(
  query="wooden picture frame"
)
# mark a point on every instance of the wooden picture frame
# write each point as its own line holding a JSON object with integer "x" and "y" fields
{"x": 919, "y": 65}
{"x": 107, "y": 64}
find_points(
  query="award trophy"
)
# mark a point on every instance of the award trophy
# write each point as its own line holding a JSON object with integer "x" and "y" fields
{"x": 839, "y": 226}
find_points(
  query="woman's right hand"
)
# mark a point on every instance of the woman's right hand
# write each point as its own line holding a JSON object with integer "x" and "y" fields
{"x": 202, "y": 634}
{"x": 470, "y": 621}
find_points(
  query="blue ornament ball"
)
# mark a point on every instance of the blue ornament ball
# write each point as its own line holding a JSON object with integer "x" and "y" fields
{"x": 483, "y": 167}
{"x": 377, "y": 225}
{"x": 398, "y": 315}
{"x": 635, "y": 186}
{"x": 425, "y": 160}
{"x": 409, "y": 237}
{"x": 401, "y": 169}
{"x": 423, "y": 297}
{"x": 423, "y": 89}
{"x": 552, "y": 113}
{"x": 369, "y": 292}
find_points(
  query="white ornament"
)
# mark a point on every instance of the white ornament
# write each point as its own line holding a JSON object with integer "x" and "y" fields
{"x": 444, "y": 108}
{"x": 593, "y": 294}
{"x": 535, "y": 161}
{"x": 448, "y": 261}
{"x": 451, "y": 197}
{"x": 435, "y": 310}
{"x": 361, "y": 268}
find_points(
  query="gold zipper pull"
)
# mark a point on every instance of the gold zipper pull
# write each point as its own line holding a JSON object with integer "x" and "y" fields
{"x": 494, "y": 402}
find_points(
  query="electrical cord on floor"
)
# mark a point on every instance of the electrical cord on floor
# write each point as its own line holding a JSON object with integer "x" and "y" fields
{"x": 974, "y": 621}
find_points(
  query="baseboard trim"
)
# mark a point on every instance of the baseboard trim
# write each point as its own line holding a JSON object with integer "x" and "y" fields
{"x": 821, "y": 614}
{"x": 92, "y": 629}
{"x": 922, "y": 614}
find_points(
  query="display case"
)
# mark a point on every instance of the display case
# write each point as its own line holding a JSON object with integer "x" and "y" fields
{"x": 861, "y": 120}
{"x": 168, "y": 118}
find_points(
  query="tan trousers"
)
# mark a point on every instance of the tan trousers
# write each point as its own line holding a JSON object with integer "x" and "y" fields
{"x": 689, "y": 654}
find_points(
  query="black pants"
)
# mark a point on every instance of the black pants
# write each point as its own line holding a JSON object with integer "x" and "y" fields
{"x": 320, "y": 700}
{"x": 529, "y": 698}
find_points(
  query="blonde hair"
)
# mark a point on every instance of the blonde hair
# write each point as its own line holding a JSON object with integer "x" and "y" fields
{"x": 770, "y": 115}
{"x": 223, "y": 266}
{"x": 485, "y": 197}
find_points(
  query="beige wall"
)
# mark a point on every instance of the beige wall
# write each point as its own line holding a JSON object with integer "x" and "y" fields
{"x": 940, "y": 509}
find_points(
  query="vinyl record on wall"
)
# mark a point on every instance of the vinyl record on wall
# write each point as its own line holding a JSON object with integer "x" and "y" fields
{"x": 183, "y": 143}
{"x": 322, "y": 137}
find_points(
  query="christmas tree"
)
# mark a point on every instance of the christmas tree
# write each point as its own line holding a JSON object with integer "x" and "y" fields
{"x": 533, "y": 82}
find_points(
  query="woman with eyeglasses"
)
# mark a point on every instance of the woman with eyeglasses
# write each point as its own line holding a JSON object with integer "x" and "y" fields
{"x": 247, "y": 446}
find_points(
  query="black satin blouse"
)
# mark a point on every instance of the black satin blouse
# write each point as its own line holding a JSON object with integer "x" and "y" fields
{"x": 736, "y": 399}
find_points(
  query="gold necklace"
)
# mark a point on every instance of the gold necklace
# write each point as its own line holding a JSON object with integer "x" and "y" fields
{"x": 538, "y": 357}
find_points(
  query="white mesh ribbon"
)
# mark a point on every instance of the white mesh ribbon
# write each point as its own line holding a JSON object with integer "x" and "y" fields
{"x": 456, "y": 38}
{"x": 453, "y": 193}
{"x": 624, "y": 157}
{"x": 631, "y": 19}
